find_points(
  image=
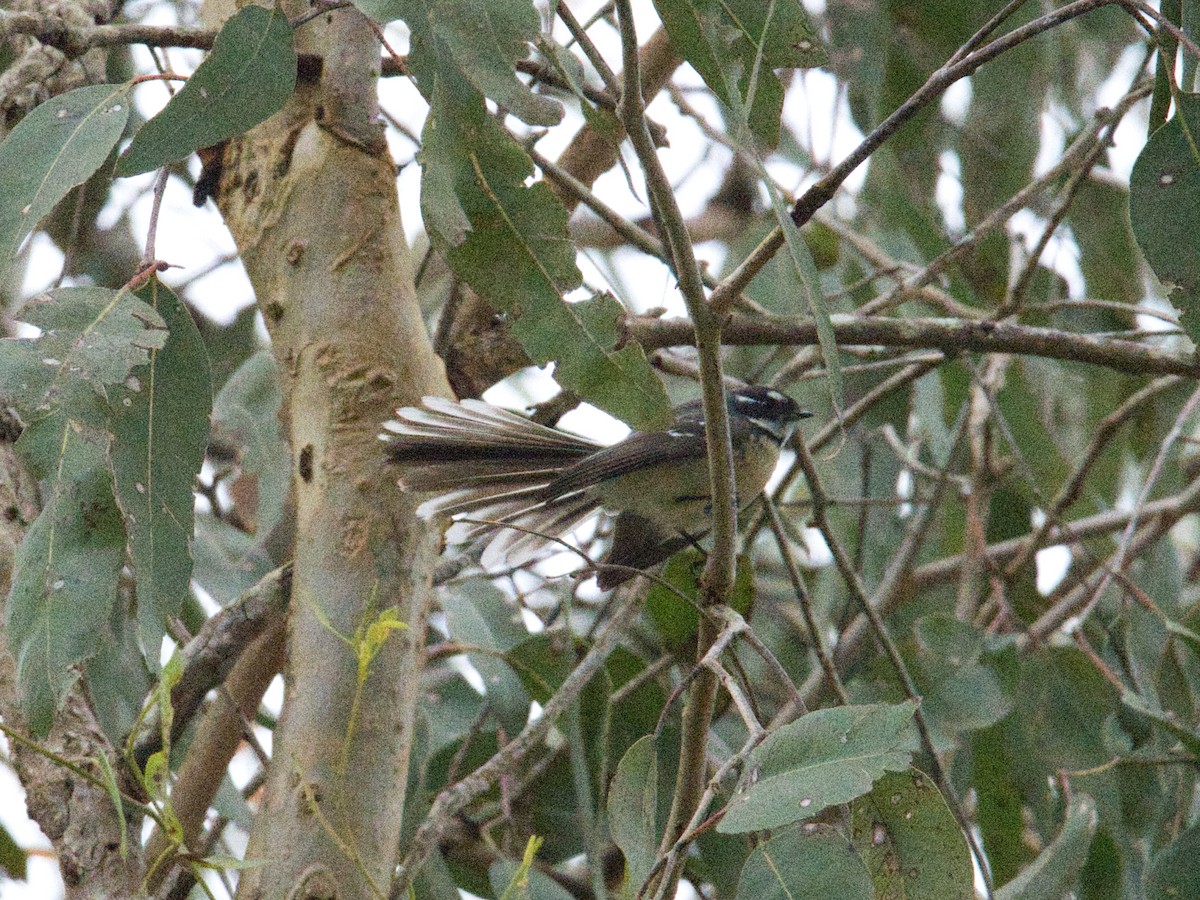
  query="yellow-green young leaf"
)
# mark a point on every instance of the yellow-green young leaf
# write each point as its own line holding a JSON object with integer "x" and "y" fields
{"x": 374, "y": 636}
{"x": 171, "y": 673}
{"x": 827, "y": 757}
{"x": 508, "y": 241}
{"x": 246, "y": 78}
{"x": 810, "y": 863}
{"x": 520, "y": 881}
{"x": 160, "y": 431}
{"x": 58, "y": 145}
{"x": 109, "y": 778}
{"x": 910, "y": 841}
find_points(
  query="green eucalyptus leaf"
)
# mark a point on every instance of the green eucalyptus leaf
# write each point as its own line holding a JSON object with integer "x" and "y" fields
{"x": 160, "y": 431}
{"x": 639, "y": 801}
{"x": 477, "y": 613}
{"x": 90, "y": 337}
{"x": 1173, "y": 871}
{"x": 246, "y": 78}
{"x": 911, "y": 841}
{"x": 57, "y": 146}
{"x": 64, "y": 579}
{"x": 1053, "y": 874}
{"x": 482, "y": 41}
{"x": 508, "y": 241}
{"x": 736, "y": 45}
{"x": 826, "y": 757}
{"x": 246, "y": 424}
{"x": 809, "y": 863}
{"x": 1164, "y": 192}
{"x": 12, "y": 858}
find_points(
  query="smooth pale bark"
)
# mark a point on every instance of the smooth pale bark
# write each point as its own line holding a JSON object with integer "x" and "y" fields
{"x": 310, "y": 198}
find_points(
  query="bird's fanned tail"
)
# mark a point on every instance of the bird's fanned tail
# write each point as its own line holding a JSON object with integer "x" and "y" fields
{"x": 489, "y": 465}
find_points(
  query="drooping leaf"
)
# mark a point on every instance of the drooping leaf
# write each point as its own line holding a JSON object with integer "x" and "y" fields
{"x": 809, "y": 863}
{"x": 638, "y": 801}
{"x": 1053, "y": 874}
{"x": 57, "y": 146}
{"x": 814, "y": 300}
{"x": 483, "y": 42}
{"x": 1102, "y": 874}
{"x": 160, "y": 430}
{"x": 90, "y": 337}
{"x": 736, "y": 45}
{"x": 508, "y": 241}
{"x": 1165, "y": 720}
{"x": 64, "y": 578}
{"x": 1108, "y": 252}
{"x": 245, "y": 79}
{"x": 828, "y": 756}
{"x": 910, "y": 840}
{"x": 1164, "y": 189}
{"x": 226, "y": 560}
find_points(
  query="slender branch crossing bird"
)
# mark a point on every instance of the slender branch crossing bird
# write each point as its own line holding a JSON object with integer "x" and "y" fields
{"x": 496, "y": 469}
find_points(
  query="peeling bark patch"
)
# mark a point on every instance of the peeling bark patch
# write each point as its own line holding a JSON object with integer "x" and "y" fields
{"x": 381, "y": 380}
{"x": 284, "y": 162}
{"x": 250, "y": 188}
{"x": 354, "y": 537}
{"x": 306, "y": 463}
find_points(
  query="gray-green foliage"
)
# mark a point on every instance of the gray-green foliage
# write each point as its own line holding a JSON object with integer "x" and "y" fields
{"x": 1071, "y": 750}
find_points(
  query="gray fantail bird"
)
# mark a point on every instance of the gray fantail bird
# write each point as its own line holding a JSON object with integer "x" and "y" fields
{"x": 488, "y": 464}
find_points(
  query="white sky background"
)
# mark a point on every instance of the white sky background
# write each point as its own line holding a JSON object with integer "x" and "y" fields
{"x": 196, "y": 240}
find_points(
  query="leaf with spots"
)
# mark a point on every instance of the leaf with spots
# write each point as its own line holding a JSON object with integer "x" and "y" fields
{"x": 91, "y": 337}
{"x": 1164, "y": 193}
{"x": 736, "y": 45}
{"x": 58, "y": 145}
{"x": 827, "y": 757}
{"x": 64, "y": 574}
{"x": 482, "y": 42}
{"x": 910, "y": 841}
{"x": 160, "y": 430}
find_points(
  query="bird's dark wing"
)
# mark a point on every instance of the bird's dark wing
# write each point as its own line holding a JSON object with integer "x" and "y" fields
{"x": 638, "y": 451}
